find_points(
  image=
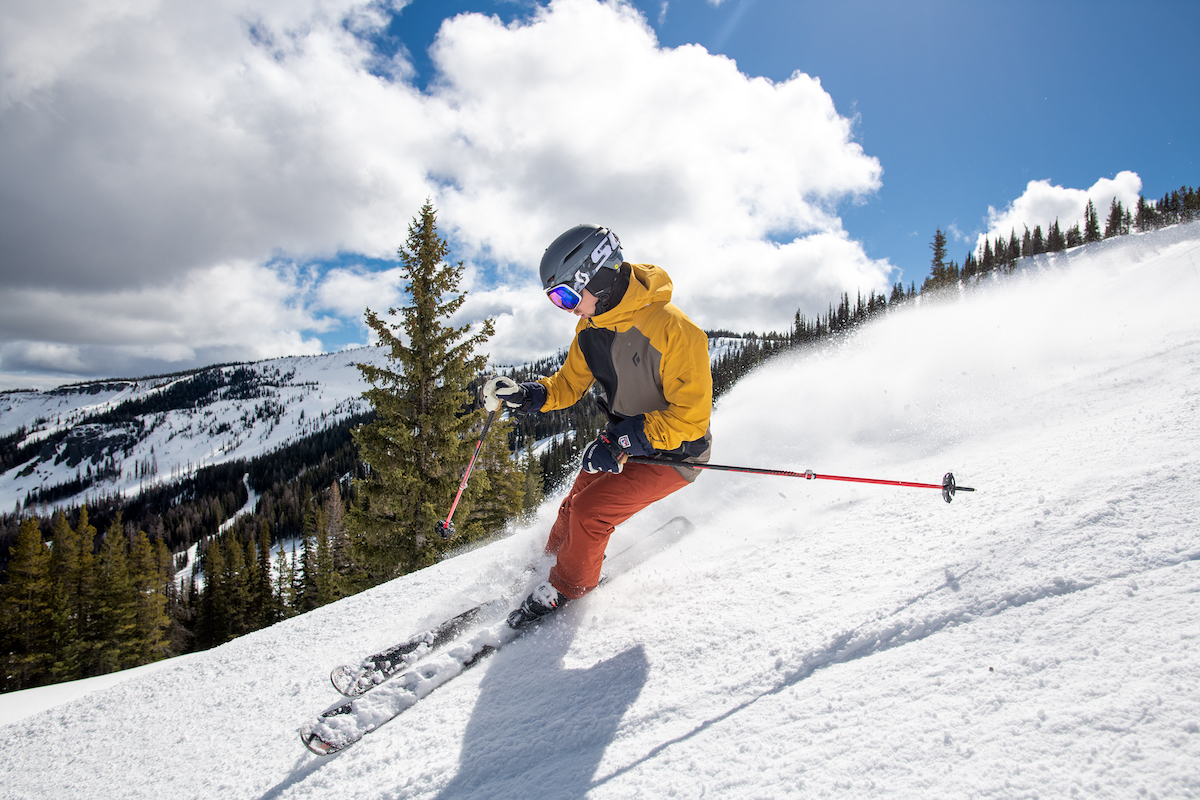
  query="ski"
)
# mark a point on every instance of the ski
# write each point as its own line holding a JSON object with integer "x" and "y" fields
{"x": 347, "y": 721}
{"x": 353, "y": 680}
{"x": 344, "y": 724}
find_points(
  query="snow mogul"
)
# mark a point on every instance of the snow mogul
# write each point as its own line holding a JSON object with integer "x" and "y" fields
{"x": 651, "y": 365}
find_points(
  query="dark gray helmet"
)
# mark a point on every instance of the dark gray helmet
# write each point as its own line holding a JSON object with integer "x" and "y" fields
{"x": 577, "y": 255}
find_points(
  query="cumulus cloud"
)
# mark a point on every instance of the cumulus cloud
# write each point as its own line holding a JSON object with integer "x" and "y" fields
{"x": 349, "y": 292}
{"x": 1042, "y": 203}
{"x": 164, "y": 166}
{"x": 222, "y": 313}
{"x": 727, "y": 181}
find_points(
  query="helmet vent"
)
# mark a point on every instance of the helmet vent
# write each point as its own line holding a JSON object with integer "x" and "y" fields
{"x": 571, "y": 254}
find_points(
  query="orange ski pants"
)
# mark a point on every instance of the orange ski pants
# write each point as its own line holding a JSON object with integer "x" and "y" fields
{"x": 594, "y": 507}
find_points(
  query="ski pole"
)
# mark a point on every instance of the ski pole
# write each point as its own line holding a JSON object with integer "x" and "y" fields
{"x": 948, "y": 485}
{"x": 445, "y": 527}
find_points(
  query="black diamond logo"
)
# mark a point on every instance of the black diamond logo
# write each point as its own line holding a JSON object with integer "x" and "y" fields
{"x": 637, "y": 359}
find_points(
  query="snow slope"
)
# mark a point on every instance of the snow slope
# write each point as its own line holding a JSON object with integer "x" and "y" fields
{"x": 1038, "y": 638}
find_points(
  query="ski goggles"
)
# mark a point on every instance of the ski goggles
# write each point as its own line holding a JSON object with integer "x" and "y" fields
{"x": 564, "y": 296}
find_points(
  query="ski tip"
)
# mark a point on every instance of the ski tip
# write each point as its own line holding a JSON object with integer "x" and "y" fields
{"x": 683, "y": 523}
{"x": 315, "y": 744}
{"x": 345, "y": 681}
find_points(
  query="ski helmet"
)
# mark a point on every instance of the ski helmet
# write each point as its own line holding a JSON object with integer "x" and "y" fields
{"x": 576, "y": 256}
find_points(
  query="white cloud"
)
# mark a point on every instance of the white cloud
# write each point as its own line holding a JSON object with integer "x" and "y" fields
{"x": 697, "y": 167}
{"x": 149, "y": 150}
{"x": 221, "y": 313}
{"x": 349, "y": 292}
{"x": 1042, "y": 203}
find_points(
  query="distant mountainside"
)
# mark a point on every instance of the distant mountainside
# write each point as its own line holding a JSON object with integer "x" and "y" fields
{"x": 122, "y": 437}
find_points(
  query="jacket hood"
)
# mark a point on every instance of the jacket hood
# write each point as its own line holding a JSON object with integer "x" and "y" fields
{"x": 648, "y": 284}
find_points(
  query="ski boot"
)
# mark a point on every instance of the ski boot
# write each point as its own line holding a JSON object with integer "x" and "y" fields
{"x": 543, "y": 600}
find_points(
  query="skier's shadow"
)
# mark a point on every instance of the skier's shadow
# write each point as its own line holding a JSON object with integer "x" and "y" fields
{"x": 539, "y": 730}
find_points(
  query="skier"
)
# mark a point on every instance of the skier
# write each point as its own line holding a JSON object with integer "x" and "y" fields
{"x": 652, "y": 367}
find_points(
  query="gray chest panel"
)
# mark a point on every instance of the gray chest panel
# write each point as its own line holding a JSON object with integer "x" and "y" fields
{"x": 639, "y": 378}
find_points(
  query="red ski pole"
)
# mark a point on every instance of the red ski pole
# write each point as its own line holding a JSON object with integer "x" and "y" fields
{"x": 445, "y": 528}
{"x": 948, "y": 486}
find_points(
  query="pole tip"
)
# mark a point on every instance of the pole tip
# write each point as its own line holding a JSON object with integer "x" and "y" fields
{"x": 445, "y": 529}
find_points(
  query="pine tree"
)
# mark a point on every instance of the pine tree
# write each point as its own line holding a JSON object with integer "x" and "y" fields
{"x": 86, "y": 602}
{"x": 970, "y": 267}
{"x": 339, "y": 540}
{"x": 306, "y": 581}
{"x": 213, "y": 624}
{"x": 937, "y": 267}
{"x": 1014, "y": 249}
{"x": 285, "y": 583}
{"x": 264, "y": 597}
{"x": 114, "y": 645}
{"x": 322, "y": 585}
{"x": 1116, "y": 220}
{"x": 1055, "y": 241}
{"x": 417, "y": 446}
{"x": 179, "y": 612}
{"x": 66, "y": 645}
{"x": 1074, "y": 236}
{"x": 237, "y": 592}
{"x": 988, "y": 261}
{"x": 252, "y": 614}
{"x": 62, "y": 643}
{"x": 24, "y": 603}
{"x": 1091, "y": 224}
{"x": 151, "y": 622}
{"x": 1146, "y": 219}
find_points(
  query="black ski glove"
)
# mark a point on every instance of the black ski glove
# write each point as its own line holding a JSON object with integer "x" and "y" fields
{"x": 630, "y": 435}
{"x": 616, "y": 443}
{"x": 604, "y": 455}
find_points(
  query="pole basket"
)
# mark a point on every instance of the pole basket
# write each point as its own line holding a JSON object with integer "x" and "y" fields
{"x": 949, "y": 487}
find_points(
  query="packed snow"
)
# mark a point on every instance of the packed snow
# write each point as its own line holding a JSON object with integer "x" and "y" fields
{"x": 1036, "y": 638}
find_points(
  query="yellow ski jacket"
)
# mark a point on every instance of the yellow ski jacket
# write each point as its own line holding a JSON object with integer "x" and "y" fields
{"x": 648, "y": 358}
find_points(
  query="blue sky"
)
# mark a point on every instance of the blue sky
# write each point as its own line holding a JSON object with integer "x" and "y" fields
{"x": 194, "y": 184}
{"x": 963, "y": 103}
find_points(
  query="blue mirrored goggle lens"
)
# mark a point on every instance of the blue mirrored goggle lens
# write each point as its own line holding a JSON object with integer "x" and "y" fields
{"x": 564, "y": 297}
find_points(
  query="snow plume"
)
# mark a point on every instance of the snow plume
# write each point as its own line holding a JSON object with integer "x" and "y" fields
{"x": 1043, "y": 203}
{"x": 145, "y": 145}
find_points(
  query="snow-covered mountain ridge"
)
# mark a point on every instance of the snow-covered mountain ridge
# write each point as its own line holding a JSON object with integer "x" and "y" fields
{"x": 1037, "y": 638}
{"x": 132, "y": 434}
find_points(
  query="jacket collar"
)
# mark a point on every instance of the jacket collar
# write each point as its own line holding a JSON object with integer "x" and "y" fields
{"x": 648, "y": 284}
